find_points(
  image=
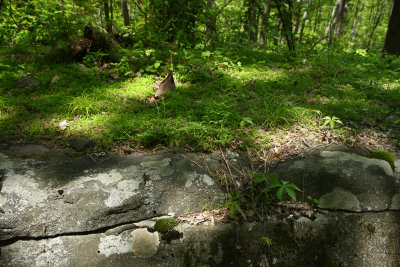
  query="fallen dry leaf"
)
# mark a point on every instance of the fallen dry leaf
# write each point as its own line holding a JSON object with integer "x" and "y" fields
{"x": 63, "y": 125}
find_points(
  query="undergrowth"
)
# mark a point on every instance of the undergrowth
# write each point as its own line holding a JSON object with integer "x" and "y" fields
{"x": 231, "y": 97}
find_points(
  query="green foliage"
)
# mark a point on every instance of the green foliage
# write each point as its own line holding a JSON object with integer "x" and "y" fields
{"x": 234, "y": 204}
{"x": 384, "y": 155}
{"x": 331, "y": 121}
{"x": 314, "y": 201}
{"x": 164, "y": 225}
{"x": 94, "y": 59}
{"x": 282, "y": 188}
{"x": 267, "y": 240}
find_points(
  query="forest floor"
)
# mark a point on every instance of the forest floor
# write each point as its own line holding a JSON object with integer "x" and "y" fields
{"x": 256, "y": 101}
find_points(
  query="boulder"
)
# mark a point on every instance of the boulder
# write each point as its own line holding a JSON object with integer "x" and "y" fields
{"x": 342, "y": 180}
{"x": 25, "y": 81}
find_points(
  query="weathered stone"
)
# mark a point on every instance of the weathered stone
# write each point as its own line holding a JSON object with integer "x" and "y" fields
{"x": 92, "y": 197}
{"x": 145, "y": 244}
{"x": 343, "y": 180}
{"x": 25, "y": 81}
{"x": 80, "y": 143}
{"x": 339, "y": 239}
{"x": 72, "y": 211}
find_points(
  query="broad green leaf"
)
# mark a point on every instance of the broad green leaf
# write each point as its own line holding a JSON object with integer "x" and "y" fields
{"x": 279, "y": 193}
{"x": 206, "y": 54}
{"x": 294, "y": 187}
{"x": 291, "y": 193}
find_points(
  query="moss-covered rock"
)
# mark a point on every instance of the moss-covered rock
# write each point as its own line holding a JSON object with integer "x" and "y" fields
{"x": 384, "y": 155}
{"x": 164, "y": 225}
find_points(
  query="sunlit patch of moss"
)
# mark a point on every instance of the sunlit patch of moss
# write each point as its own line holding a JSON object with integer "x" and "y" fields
{"x": 139, "y": 88}
{"x": 383, "y": 155}
{"x": 165, "y": 225}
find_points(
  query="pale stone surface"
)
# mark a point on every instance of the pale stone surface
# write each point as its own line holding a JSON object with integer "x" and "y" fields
{"x": 339, "y": 198}
{"x": 145, "y": 244}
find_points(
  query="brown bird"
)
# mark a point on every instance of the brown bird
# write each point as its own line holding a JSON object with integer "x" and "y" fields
{"x": 166, "y": 85}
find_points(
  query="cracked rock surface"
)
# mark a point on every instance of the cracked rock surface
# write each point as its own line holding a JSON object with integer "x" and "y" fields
{"x": 46, "y": 193}
{"x": 60, "y": 210}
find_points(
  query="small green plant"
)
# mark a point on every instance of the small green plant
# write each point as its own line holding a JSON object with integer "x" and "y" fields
{"x": 314, "y": 201}
{"x": 234, "y": 204}
{"x": 283, "y": 187}
{"x": 267, "y": 240}
{"x": 165, "y": 224}
{"x": 331, "y": 121}
{"x": 384, "y": 155}
{"x": 94, "y": 59}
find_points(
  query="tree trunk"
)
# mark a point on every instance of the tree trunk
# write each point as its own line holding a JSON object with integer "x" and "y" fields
{"x": 107, "y": 17}
{"x": 125, "y": 12}
{"x": 392, "y": 40}
{"x": 212, "y": 20}
{"x": 264, "y": 22}
{"x": 340, "y": 17}
{"x": 303, "y": 23}
{"x": 112, "y": 16}
{"x": 332, "y": 20}
{"x": 317, "y": 16}
{"x": 354, "y": 23}
{"x": 252, "y": 23}
{"x": 100, "y": 18}
{"x": 297, "y": 16}
{"x": 286, "y": 14}
{"x": 376, "y": 21}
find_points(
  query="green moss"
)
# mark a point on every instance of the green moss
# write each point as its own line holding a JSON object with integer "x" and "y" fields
{"x": 384, "y": 155}
{"x": 164, "y": 225}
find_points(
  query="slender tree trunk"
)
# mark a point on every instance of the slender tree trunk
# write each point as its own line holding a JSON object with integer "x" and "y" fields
{"x": 252, "y": 23}
{"x": 264, "y": 22}
{"x": 354, "y": 23}
{"x": 286, "y": 15}
{"x": 100, "y": 18}
{"x": 317, "y": 16}
{"x": 277, "y": 30}
{"x": 303, "y": 23}
{"x": 392, "y": 40}
{"x": 340, "y": 17}
{"x": 332, "y": 20}
{"x": 212, "y": 20}
{"x": 376, "y": 21}
{"x": 125, "y": 12}
{"x": 112, "y": 16}
{"x": 297, "y": 16}
{"x": 107, "y": 17}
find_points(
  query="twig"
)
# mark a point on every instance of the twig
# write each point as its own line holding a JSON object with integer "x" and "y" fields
{"x": 201, "y": 167}
{"x": 229, "y": 169}
{"x": 305, "y": 142}
{"x": 141, "y": 10}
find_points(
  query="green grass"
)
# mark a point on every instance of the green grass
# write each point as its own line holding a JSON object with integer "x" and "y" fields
{"x": 220, "y": 101}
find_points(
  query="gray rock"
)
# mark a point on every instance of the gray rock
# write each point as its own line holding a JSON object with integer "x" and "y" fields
{"x": 72, "y": 211}
{"x": 25, "y": 81}
{"x": 47, "y": 196}
{"x": 334, "y": 240}
{"x": 342, "y": 180}
{"x": 80, "y": 143}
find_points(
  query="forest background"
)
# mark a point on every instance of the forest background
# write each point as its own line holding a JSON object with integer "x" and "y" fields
{"x": 267, "y": 76}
